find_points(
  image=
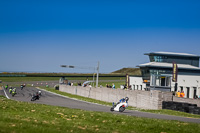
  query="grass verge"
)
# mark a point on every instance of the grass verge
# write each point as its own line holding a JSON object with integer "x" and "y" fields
{"x": 26, "y": 117}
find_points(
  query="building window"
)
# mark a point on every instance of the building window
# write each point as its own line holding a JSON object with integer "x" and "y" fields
{"x": 188, "y": 92}
{"x": 133, "y": 87}
{"x": 159, "y": 80}
{"x": 159, "y": 58}
{"x": 195, "y": 92}
{"x": 181, "y": 88}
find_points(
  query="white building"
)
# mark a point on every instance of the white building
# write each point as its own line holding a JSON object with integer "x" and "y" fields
{"x": 157, "y": 74}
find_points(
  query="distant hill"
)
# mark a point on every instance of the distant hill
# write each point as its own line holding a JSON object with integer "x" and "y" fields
{"x": 131, "y": 71}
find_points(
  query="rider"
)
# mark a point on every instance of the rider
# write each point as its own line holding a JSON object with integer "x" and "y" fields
{"x": 13, "y": 91}
{"x": 22, "y": 86}
{"x": 6, "y": 87}
{"x": 38, "y": 94}
{"x": 124, "y": 100}
{"x": 10, "y": 90}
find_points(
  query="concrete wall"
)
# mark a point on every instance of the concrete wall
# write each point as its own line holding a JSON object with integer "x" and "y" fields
{"x": 137, "y": 98}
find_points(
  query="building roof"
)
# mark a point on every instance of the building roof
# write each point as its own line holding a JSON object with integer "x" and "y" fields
{"x": 168, "y": 65}
{"x": 172, "y": 54}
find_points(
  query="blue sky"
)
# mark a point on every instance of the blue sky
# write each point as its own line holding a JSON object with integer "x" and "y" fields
{"x": 40, "y": 35}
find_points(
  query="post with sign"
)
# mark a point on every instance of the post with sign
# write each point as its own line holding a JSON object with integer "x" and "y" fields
{"x": 127, "y": 81}
{"x": 174, "y": 74}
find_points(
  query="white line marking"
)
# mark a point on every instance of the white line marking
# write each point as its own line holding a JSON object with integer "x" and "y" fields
{"x": 5, "y": 92}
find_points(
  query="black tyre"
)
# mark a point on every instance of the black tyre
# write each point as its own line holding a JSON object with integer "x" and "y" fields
{"x": 33, "y": 98}
{"x": 112, "y": 109}
{"x": 121, "y": 109}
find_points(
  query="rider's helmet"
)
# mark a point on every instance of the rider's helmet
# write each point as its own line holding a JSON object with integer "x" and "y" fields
{"x": 39, "y": 92}
{"x": 126, "y": 99}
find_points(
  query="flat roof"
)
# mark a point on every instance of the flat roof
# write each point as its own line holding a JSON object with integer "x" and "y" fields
{"x": 172, "y": 54}
{"x": 168, "y": 65}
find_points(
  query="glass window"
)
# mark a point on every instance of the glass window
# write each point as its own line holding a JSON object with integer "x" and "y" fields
{"x": 157, "y": 58}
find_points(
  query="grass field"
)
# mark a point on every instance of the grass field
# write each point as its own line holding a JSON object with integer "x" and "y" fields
{"x": 23, "y": 117}
{"x": 107, "y": 80}
{"x": 24, "y": 79}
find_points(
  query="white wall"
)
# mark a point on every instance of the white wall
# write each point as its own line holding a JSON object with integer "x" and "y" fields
{"x": 137, "y": 81}
{"x": 183, "y": 81}
{"x": 188, "y": 81}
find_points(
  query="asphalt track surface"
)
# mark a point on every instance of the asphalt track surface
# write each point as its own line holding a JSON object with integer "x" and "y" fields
{"x": 50, "y": 98}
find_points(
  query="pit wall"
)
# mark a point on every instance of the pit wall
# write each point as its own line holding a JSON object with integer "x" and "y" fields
{"x": 137, "y": 98}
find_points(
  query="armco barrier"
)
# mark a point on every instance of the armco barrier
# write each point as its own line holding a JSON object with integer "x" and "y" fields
{"x": 139, "y": 99}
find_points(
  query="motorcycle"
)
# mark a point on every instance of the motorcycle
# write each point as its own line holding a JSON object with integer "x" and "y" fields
{"x": 36, "y": 96}
{"x": 120, "y": 106}
{"x": 14, "y": 92}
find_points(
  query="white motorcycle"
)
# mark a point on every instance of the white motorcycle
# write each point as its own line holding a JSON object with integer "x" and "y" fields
{"x": 120, "y": 106}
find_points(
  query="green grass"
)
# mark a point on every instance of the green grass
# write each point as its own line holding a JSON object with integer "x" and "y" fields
{"x": 169, "y": 112}
{"x": 23, "y": 117}
{"x": 108, "y": 80}
{"x": 163, "y": 111}
{"x": 24, "y": 79}
{"x": 131, "y": 71}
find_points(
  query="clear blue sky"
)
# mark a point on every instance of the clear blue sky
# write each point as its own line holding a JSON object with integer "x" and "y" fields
{"x": 40, "y": 35}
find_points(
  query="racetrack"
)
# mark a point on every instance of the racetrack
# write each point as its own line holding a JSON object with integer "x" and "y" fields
{"x": 58, "y": 100}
